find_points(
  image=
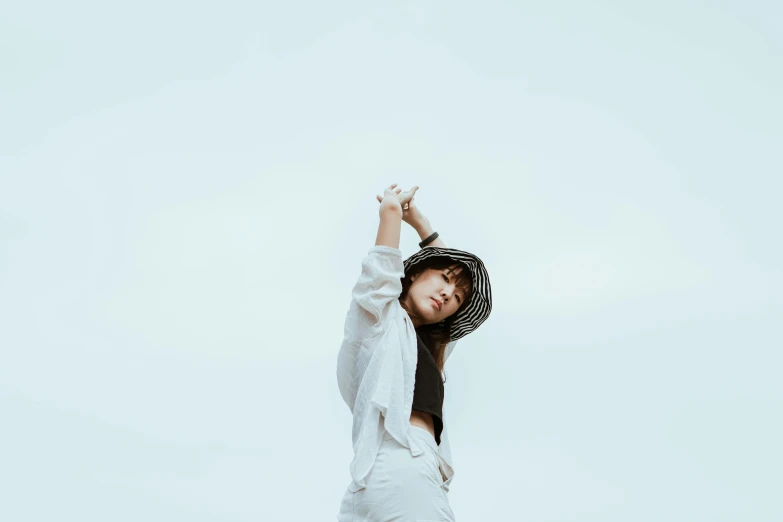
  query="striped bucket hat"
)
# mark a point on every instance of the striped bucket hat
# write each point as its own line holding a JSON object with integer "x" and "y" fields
{"x": 477, "y": 310}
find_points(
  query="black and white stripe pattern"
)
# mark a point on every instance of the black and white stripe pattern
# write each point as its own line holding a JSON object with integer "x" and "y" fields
{"x": 477, "y": 311}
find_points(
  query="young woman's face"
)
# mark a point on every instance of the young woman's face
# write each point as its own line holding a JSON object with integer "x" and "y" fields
{"x": 429, "y": 286}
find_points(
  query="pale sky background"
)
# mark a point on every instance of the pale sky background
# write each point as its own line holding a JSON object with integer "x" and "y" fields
{"x": 187, "y": 191}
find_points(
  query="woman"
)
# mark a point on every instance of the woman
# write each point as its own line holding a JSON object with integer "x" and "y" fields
{"x": 402, "y": 324}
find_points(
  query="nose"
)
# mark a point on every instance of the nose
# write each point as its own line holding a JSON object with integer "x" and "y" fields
{"x": 447, "y": 292}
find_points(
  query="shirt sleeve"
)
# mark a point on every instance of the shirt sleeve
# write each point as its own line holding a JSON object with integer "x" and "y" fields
{"x": 373, "y": 295}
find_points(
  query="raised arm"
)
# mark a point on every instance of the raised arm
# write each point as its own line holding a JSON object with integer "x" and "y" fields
{"x": 379, "y": 283}
{"x": 391, "y": 214}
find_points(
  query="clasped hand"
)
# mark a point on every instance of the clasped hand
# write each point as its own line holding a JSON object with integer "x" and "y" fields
{"x": 396, "y": 197}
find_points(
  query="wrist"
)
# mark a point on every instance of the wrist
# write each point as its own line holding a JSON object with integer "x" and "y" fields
{"x": 422, "y": 227}
{"x": 391, "y": 204}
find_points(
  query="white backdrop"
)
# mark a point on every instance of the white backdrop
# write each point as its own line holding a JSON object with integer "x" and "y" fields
{"x": 187, "y": 191}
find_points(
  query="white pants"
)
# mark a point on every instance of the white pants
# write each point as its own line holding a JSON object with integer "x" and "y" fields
{"x": 400, "y": 487}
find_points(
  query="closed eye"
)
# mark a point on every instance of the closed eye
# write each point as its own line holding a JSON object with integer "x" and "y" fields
{"x": 455, "y": 295}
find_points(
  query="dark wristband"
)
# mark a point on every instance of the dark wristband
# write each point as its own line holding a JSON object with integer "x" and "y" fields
{"x": 428, "y": 240}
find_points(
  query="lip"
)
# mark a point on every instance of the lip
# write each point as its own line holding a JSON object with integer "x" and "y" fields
{"x": 437, "y": 304}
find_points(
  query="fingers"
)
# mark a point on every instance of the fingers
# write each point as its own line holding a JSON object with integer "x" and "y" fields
{"x": 397, "y": 191}
{"x": 379, "y": 198}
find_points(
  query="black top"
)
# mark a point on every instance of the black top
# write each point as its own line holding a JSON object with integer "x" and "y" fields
{"x": 428, "y": 388}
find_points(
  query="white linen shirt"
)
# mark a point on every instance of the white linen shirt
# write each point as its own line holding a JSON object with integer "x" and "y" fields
{"x": 376, "y": 365}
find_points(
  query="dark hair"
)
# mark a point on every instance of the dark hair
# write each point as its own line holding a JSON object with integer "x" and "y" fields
{"x": 436, "y": 336}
